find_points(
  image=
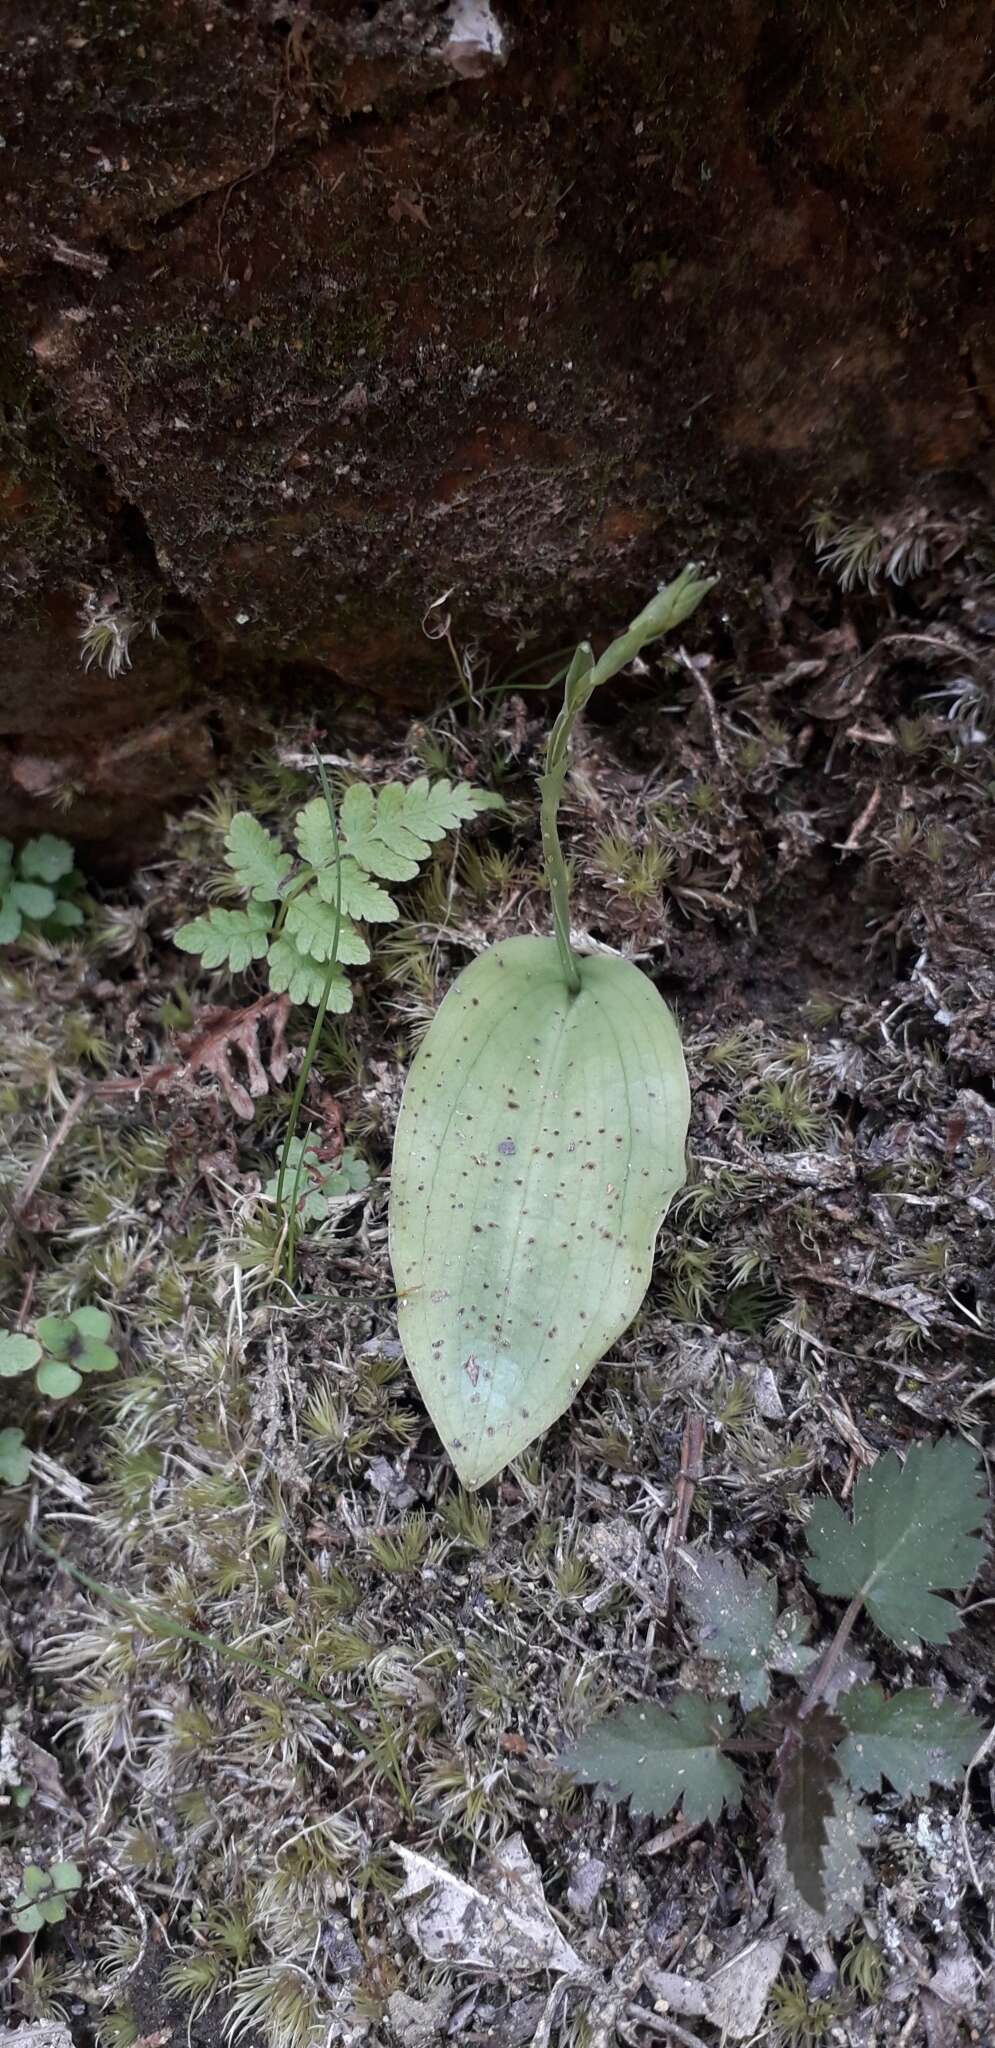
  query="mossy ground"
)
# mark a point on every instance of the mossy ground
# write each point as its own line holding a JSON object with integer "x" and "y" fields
{"x": 282, "y": 1639}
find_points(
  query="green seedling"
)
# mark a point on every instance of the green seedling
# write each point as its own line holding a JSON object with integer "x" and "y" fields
{"x": 303, "y": 912}
{"x": 45, "y": 1896}
{"x": 913, "y": 1532}
{"x": 37, "y": 889}
{"x": 540, "y": 1142}
{"x": 15, "y": 1458}
{"x": 62, "y": 1349}
{"x": 322, "y": 1184}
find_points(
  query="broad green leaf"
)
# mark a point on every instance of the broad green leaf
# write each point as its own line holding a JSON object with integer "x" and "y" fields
{"x": 914, "y": 1529}
{"x": 15, "y": 1459}
{"x": 737, "y": 1625}
{"x": 46, "y": 859}
{"x": 56, "y": 1333}
{"x": 654, "y": 1756}
{"x": 227, "y": 938}
{"x": 92, "y": 1322}
{"x": 312, "y": 924}
{"x": 295, "y": 974}
{"x": 360, "y": 897}
{"x": 540, "y": 1140}
{"x": 809, "y": 1770}
{"x": 256, "y": 857}
{"x": 912, "y": 1740}
{"x": 33, "y": 899}
{"x": 10, "y": 917}
{"x": 17, "y": 1354}
{"x": 56, "y": 1380}
{"x": 358, "y": 826}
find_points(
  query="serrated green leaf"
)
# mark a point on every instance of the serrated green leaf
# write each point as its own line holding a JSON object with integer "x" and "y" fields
{"x": 360, "y": 897}
{"x": 15, "y": 1459}
{"x": 914, "y": 1529}
{"x": 33, "y": 899}
{"x": 809, "y": 1770}
{"x": 294, "y": 973}
{"x": 10, "y": 917}
{"x": 227, "y": 938}
{"x": 848, "y": 1830}
{"x": 46, "y": 859}
{"x": 56, "y": 1333}
{"x": 736, "y": 1616}
{"x": 540, "y": 1140}
{"x": 92, "y": 1322}
{"x": 357, "y": 824}
{"x": 411, "y": 819}
{"x": 66, "y": 1877}
{"x": 17, "y": 1354}
{"x": 912, "y": 1740}
{"x": 655, "y": 1756}
{"x": 256, "y": 857}
{"x": 56, "y": 1380}
{"x": 312, "y": 925}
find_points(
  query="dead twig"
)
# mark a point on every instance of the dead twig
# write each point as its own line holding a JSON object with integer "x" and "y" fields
{"x": 692, "y": 1448}
{"x": 23, "y": 1199}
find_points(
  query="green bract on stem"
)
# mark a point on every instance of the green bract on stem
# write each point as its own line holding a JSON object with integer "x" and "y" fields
{"x": 669, "y": 608}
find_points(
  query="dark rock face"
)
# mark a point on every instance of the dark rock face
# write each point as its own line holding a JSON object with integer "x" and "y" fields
{"x": 313, "y": 313}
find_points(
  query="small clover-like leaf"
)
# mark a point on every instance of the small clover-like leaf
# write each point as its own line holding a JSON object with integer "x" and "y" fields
{"x": 914, "y": 1530}
{"x": 655, "y": 1756}
{"x": 912, "y": 1740}
{"x": 15, "y": 1459}
{"x": 34, "y": 1881}
{"x": 56, "y": 1333}
{"x": 295, "y": 974}
{"x": 256, "y": 857}
{"x": 809, "y": 1771}
{"x": 227, "y": 938}
{"x": 66, "y": 1877}
{"x": 312, "y": 925}
{"x": 93, "y": 1356}
{"x": 92, "y": 1323}
{"x": 33, "y": 899}
{"x": 45, "y": 859}
{"x": 736, "y": 1616}
{"x": 56, "y": 1380}
{"x": 28, "y": 1919}
{"x": 65, "y": 915}
{"x": 17, "y": 1354}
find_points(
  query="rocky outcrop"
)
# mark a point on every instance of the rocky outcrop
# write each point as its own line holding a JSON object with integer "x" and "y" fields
{"x": 313, "y": 313}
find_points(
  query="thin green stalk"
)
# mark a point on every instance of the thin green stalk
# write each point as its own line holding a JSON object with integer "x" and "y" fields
{"x": 289, "y": 1211}
{"x": 669, "y": 608}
